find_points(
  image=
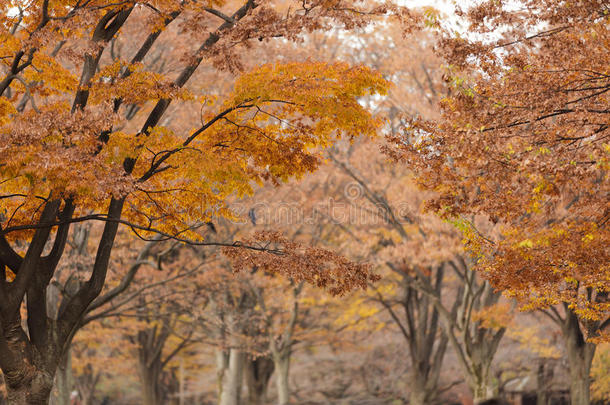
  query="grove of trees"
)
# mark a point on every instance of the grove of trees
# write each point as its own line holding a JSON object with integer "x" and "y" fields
{"x": 304, "y": 202}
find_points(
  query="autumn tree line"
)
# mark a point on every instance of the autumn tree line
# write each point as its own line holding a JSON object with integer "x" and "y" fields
{"x": 315, "y": 201}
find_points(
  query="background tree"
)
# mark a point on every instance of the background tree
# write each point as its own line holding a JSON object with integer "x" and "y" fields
{"x": 433, "y": 284}
{"x": 376, "y": 208}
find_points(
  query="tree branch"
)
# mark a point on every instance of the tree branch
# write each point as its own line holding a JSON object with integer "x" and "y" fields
{"x": 127, "y": 279}
{"x": 73, "y": 312}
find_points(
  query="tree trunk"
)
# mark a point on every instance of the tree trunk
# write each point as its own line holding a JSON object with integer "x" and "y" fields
{"x": 480, "y": 382}
{"x": 258, "y": 373}
{"x": 86, "y": 384}
{"x": 181, "y": 387}
{"x": 480, "y": 379}
{"x": 417, "y": 396}
{"x": 282, "y": 369}
{"x": 63, "y": 380}
{"x": 151, "y": 394}
{"x": 30, "y": 379}
{"x": 580, "y": 357}
{"x": 222, "y": 363}
{"x": 482, "y": 391}
{"x": 544, "y": 377}
{"x": 423, "y": 386}
{"x": 32, "y": 389}
{"x": 150, "y": 373}
{"x": 232, "y": 381}
{"x": 579, "y": 390}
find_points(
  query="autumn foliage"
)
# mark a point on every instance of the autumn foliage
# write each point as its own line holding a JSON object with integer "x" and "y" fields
{"x": 145, "y": 146}
{"x": 83, "y": 138}
{"x": 524, "y": 141}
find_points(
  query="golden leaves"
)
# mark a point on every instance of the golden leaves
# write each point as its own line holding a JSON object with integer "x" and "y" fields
{"x": 600, "y": 373}
{"x": 133, "y": 85}
{"x": 270, "y": 128}
{"x": 6, "y": 110}
{"x": 495, "y": 316}
{"x": 49, "y": 76}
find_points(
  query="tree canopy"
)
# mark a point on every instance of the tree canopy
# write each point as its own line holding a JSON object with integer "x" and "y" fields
{"x": 84, "y": 137}
{"x": 524, "y": 141}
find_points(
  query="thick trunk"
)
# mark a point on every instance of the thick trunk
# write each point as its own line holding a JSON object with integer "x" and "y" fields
{"x": 33, "y": 389}
{"x": 282, "y": 369}
{"x": 63, "y": 381}
{"x": 480, "y": 354}
{"x": 232, "y": 380}
{"x": 579, "y": 390}
{"x": 420, "y": 390}
{"x": 258, "y": 373}
{"x": 417, "y": 396}
{"x": 580, "y": 356}
{"x": 151, "y": 342}
{"x": 481, "y": 384}
{"x": 482, "y": 392}
{"x": 29, "y": 379}
{"x": 579, "y": 360}
{"x": 151, "y": 394}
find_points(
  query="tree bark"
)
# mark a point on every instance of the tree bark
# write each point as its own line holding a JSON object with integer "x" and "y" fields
{"x": 482, "y": 390}
{"x": 222, "y": 363}
{"x": 544, "y": 377}
{"x": 86, "y": 384}
{"x": 579, "y": 390}
{"x": 417, "y": 396}
{"x": 474, "y": 344}
{"x": 150, "y": 348}
{"x": 580, "y": 356}
{"x": 150, "y": 391}
{"x": 28, "y": 373}
{"x": 282, "y": 369}
{"x": 480, "y": 379}
{"x": 64, "y": 380}
{"x": 32, "y": 389}
{"x": 232, "y": 381}
{"x": 150, "y": 372}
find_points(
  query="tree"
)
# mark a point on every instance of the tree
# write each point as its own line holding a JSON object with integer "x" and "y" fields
{"x": 375, "y": 207}
{"x": 63, "y": 99}
{"x": 523, "y": 141}
{"x": 164, "y": 309}
{"x": 276, "y": 317}
{"x": 149, "y": 318}
{"x": 432, "y": 285}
